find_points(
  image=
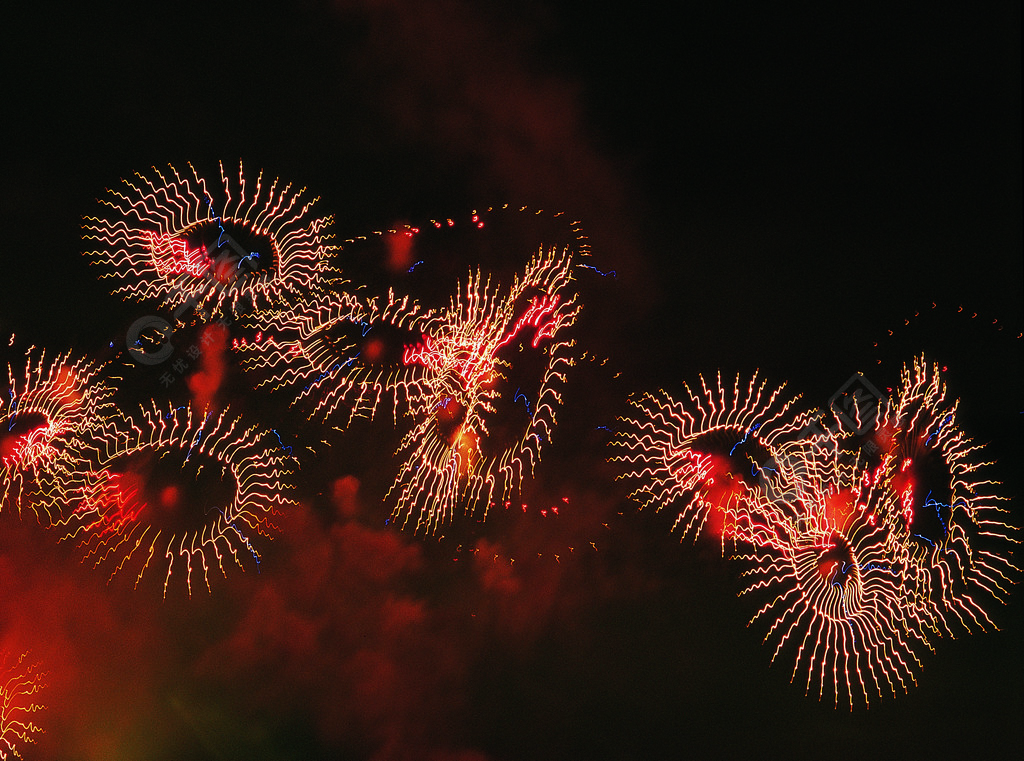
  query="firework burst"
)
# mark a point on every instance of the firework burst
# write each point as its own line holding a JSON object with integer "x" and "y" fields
{"x": 339, "y": 354}
{"x": 950, "y": 526}
{"x": 823, "y": 556}
{"x": 173, "y": 488}
{"x": 166, "y": 237}
{"x": 708, "y": 455}
{"x": 49, "y": 409}
{"x": 493, "y": 366}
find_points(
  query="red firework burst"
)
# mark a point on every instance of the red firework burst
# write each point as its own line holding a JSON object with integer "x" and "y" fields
{"x": 170, "y": 237}
{"x": 951, "y": 528}
{"x": 707, "y": 456}
{"x": 339, "y": 354}
{"x": 823, "y": 556}
{"x": 134, "y": 509}
{"x": 491, "y": 369}
{"x": 49, "y": 408}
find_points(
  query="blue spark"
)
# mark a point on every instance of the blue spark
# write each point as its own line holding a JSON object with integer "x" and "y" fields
{"x": 326, "y": 373}
{"x": 199, "y": 436}
{"x": 245, "y": 539}
{"x": 525, "y": 401}
{"x": 933, "y": 503}
{"x": 170, "y": 414}
{"x": 288, "y": 450}
{"x": 609, "y": 273}
{"x": 216, "y": 218}
{"x": 752, "y": 429}
{"x": 247, "y": 258}
{"x": 935, "y": 435}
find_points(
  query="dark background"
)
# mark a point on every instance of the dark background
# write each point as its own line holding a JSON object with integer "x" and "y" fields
{"x": 809, "y": 191}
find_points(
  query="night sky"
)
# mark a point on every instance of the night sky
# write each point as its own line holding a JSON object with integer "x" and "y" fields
{"x": 806, "y": 192}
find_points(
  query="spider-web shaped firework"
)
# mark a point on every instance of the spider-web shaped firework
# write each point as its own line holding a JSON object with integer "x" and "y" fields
{"x": 119, "y": 505}
{"x": 20, "y": 682}
{"x": 706, "y": 456}
{"x": 169, "y": 237}
{"x": 331, "y": 349}
{"x": 824, "y": 557}
{"x": 950, "y": 526}
{"x": 51, "y": 406}
{"x": 476, "y": 435}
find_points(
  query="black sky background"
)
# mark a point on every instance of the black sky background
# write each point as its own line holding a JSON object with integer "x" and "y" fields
{"x": 776, "y": 189}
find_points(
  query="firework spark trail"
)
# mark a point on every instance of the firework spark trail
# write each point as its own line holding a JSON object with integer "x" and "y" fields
{"x": 708, "y": 455}
{"x": 824, "y": 558}
{"x": 20, "y": 682}
{"x": 520, "y": 224}
{"x": 115, "y": 523}
{"x": 951, "y": 529}
{"x": 48, "y": 410}
{"x": 163, "y": 239}
{"x": 327, "y": 350}
{"x": 469, "y": 352}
